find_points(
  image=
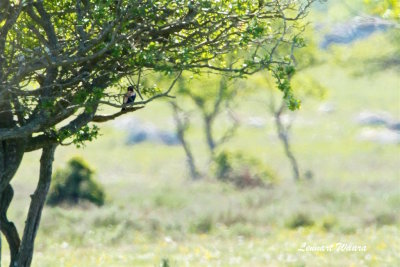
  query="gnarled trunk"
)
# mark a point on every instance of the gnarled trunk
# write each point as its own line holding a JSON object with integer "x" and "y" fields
{"x": 8, "y": 228}
{"x": 25, "y": 252}
{"x": 11, "y": 153}
{"x": 21, "y": 251}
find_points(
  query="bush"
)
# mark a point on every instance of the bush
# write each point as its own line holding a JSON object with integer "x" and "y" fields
{"x": 299, "y": 220}
{"x": 75, "y": 183}
{"x": 385, "y": 218}
{"x": 203, "y": 225}
{"x": 328, "y": 223}
{"x": 164, "y": 263}
{"x": 242, "y": 171}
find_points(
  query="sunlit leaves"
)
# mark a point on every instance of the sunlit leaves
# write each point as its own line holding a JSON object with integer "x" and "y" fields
{"x": 389, "y": 9}
{"x": 283, "y": 75}
{"x": 80, "y": 136}
{"x": 85, "y": 48}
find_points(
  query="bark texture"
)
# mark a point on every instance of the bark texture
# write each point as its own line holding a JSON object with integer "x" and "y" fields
{"x": 25, "y": 253}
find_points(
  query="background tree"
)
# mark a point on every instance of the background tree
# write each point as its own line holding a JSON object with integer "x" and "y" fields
{"x": 182, "y": 125}
{"x": 304, "y": 87}
{"x": 60, "y": 63}
{"x": 212, "y": 96}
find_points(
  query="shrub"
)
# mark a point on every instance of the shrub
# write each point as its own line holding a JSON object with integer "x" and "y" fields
{"x": 75, "y": 183}
{"x": 385, "y": 218}
{"x": 164, "y": 263}
{"x": 241, "y": 229}
{"x": 348, "y": 229}
{"x": 299, "y": 220}
{"x": 328, "y": 223}
{"x": 242, "y": 171}
{"x": 203, "y": 225}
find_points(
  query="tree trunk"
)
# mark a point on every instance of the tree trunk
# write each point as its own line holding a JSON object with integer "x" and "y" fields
{"x": 209, "y": 136}
{"x": 283, "y": 135}
{"x": 11, "y": 150}
{"x": 289, "y": 154}
{"x": 8, "y": 228}
{"x": 11, "y": 153}
{"x": 25, "y": 253}
{"x": 181, "y": 127}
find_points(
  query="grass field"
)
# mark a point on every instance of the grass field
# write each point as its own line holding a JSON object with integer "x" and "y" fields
{"x": 155, "y": 216}
{"x": 153, "y": 211}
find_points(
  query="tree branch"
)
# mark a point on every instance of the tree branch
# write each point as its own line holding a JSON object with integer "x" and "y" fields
{"x": 104, "y": 118}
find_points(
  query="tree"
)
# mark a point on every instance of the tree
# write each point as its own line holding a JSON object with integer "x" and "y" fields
{"x": 211, "y": 97}
{"x": 304, "y": 86}
{"x": 182, "y": 125}
{"x": 60, "y": 63}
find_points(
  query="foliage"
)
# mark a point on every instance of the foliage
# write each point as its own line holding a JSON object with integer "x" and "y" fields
{"x": 209, "y": 92}
{"x": 241, "y": 170}
{"x": 65, "y": 68}
{"x": 164, "y": 263}
{"x": 296, "y": 81}
{"x": 283, "y": 76}
{"x": 202, "y": 225}
{"x": 85, "y": 133}
{"x": 212, "y": 96}
{"x": 389, "y": 9}
{"x": 74, "y": 184}
{"x": 299, "y": 220}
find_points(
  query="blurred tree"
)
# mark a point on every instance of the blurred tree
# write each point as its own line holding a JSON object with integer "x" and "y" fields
{"x": 305, "y": 87}
{"x": 61, "y": 60}
{"x": 211, "y": 96}
{"x": 303, "y": 84}
{"x": 75, "y": 183}
{"x": 182, "y": 125}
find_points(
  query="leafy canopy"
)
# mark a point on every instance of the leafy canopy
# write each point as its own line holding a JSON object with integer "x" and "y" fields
{"x": 62, "y": 61}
